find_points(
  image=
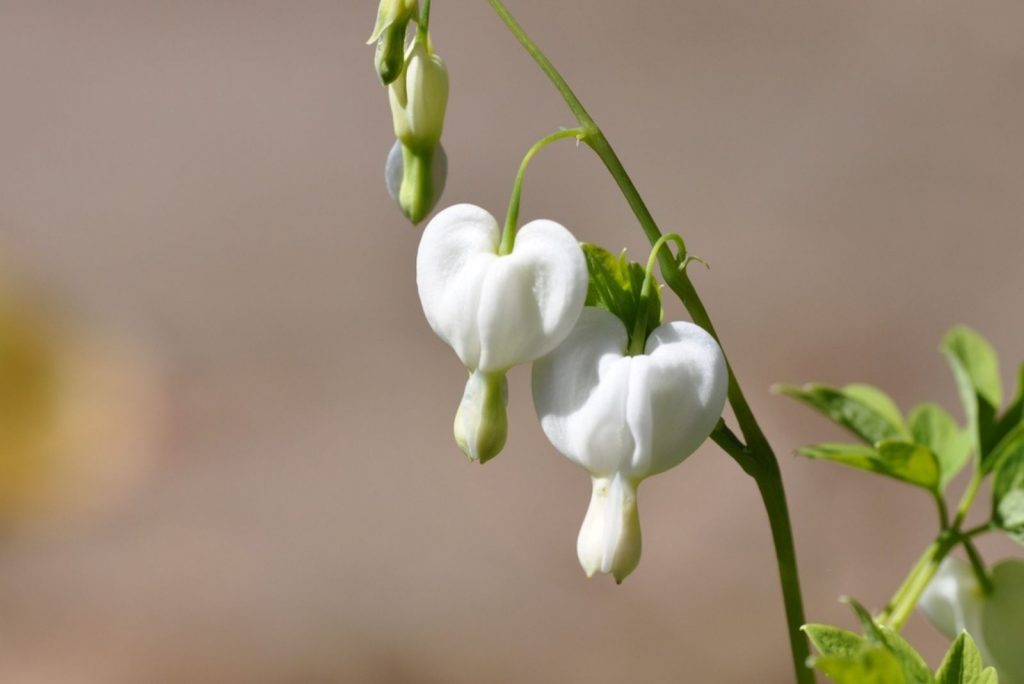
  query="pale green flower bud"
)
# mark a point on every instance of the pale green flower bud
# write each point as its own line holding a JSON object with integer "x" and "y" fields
{"x": 481, "y": 424}
{"x": 393, "y": 17}
{"x": 954, "y": 602}
{"x": 419, "y": 98}
{"x": 415, "y": 181}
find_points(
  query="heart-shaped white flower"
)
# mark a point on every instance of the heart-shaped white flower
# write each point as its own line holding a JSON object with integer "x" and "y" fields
{"x": 624, "y": 418}
{"x": 496, "y": 311}
{"x": 954, "y": 602}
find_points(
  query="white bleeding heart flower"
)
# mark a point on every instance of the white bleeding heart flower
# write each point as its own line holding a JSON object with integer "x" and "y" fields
{"x": 954, "y": 602}
{"x": 624, "y": 418}
{"x": 496, "y": 311}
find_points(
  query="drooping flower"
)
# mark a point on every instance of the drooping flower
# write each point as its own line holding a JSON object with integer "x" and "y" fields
{"x": 954, "y": 602}
{"x": 496, "y": 311}
{"x": 624, "y": 418}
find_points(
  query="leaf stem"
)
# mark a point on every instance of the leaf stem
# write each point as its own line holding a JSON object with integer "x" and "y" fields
{"x": 508, "y": 235}
{"x": 968, "y": 497}
{"x": 757, "y": 458}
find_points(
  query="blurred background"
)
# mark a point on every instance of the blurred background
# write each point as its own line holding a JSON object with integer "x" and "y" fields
{"x": 227, "y": 434}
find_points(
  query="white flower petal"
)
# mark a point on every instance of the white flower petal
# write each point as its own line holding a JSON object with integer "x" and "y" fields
{"x": 499, "y": 311}
{"x": 580, "y": 390}
{"x": 637, "y": 415}
{"x": 686, "y": 386}
{"x": 951, "y": 600}
{"x": 1002, "y": 621}
{"x": 532, "y": 297}
{"x": 458, "y": 247}
{"x": 609, "y": 539}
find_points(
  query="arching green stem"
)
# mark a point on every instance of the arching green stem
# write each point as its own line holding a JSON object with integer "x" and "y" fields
{"x": 756, "y": 456}
{"x": 508, "y": 235}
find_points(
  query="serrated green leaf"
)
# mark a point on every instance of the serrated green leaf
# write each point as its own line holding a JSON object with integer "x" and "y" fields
{"x": 963, "y": 664}
{"x": 905, "y": 461}
{"x": 833, "y": 641}
{"x": 615, "y": 285}
{"x": 932, "y": 426}
{"x": 862, "y": 413}
{"x": 915, "y": 670}
{"x": 976, "y": 370}
{"x": 874, "y": 665}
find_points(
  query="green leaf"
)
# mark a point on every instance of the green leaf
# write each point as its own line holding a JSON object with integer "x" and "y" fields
{"x": 905, "y": 461}
{"x": 976, "y": 369}
{"x": 615, "y": 286}
{"x": 910, "y": 462}
{"x": 963, "y": 664}
{"x": 1008, "y": 494}
{"x": 912, "y": 665}
{"x": 863, "y": 410}
{"x": 915, "y": 670}
{"x": 875, "y": 665}
{"x": 1014, "y": 416}
{"x": 833, "y": 641}
{"x": 932, "y": 426}
{"x": 880, "y": 402}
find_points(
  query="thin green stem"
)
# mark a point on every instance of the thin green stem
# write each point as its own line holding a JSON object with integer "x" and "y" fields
{"x": 757, "y": 458}
{"x": 978, "y": 565}
{"x": 968, "y": 498}
{"x": 638, "y": 339}
{"x": 423, "y": 21}
{"x": 940, "y": 503}
{"x": 906, "y": 598}
{"x": 508, "y": 235}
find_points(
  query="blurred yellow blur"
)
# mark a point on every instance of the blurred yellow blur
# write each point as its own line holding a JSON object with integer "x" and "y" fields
{"x": 78, "y": 416}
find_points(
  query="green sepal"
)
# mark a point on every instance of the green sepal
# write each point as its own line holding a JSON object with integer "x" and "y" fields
{"x": 975, "y": 367}
{"x": 932, "y": 426}
{"x": 904, "y": 461}
{"x": 865, "y": 411}
{"x": 615, "y": 285}
{"x": 963, "y": 664}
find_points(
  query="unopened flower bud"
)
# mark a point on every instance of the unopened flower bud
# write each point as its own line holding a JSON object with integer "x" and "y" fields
{"x": 609, "y": 540}
{"x": 481, "y": 424}
{"x": 419, "y": 98}
{"x": 393, "y": 17}
{"x": 415, "y": 180}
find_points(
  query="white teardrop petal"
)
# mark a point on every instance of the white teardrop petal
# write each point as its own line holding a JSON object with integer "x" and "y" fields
{"x": 458, "y": 247}
{"x": 532, "y": 297}
{"x": 948, "y": 601}
{"x": 609, "y": 540}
